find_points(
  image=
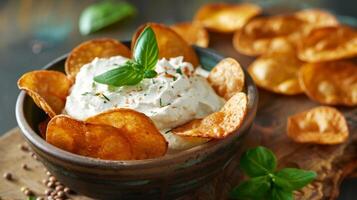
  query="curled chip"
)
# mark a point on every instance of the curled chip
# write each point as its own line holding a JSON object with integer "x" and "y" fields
{"x": 147, "y": 142}
{"x": 193, "y": 33}
{"x": 321, "y": 125}
{"x": 93, "y": 140}
{"x": 328, "y": 43}
{"x": 266, "y": 34}
{"x": 333, "y": 83}
{"x": 277, "y": 72}
{"x": 87, "y": 51}
{"x": 179, "y": 142}
{"x": 219, "y": 124}
{"x": 227, "y": 78}
{"x": 169, "y": 42}
{"x": 316, "y": 18}
{"x": 48, "y": 89}
{"x": 226, "y": 18}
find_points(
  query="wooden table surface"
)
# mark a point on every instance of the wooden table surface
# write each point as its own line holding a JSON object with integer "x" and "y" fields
{"x": 35, "y": 32}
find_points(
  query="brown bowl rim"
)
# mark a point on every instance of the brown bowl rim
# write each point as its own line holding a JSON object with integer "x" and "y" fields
{"x": 184, "y": 155}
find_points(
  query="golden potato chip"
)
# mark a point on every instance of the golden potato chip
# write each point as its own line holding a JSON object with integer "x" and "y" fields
{"x": 277, "y": 72}
{"x": 333, "y": 83}
{"x": 47, "y": 88}
{"x": 218, "y": 124}
{"x": 317, "y": 18}
{"x": 268, "y": 34}
{"x": 227, "y": 78}
{"x": 224, "y": 17}
{"x": 169, "y": 42}
{"x": 42, "y": 127}
{"x": 147, "y": 142}
{"x": 193, "y": 33}
{"x": 320, "y": 125}
{"x": 328, "y": 43}
{"x": 97, "y": 48}
{"x": 93, "y": 140}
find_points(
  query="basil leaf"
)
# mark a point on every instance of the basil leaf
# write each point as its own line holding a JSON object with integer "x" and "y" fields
{"x": 150, "y": 74}
{"x": 254, "y": 188}
{"x": 293, "y": 179}
{"x": 146, "y": 51}
{"x": 279, "y": 194}
{"x": 123, "y": 75}
{"x": 258, "y": 161}
{"x": 103, "y": 14}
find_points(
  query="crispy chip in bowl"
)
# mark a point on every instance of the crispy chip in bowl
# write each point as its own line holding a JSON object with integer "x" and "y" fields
{"x": 169, "y": 42}
{"x": 226, "y": 18}
{"x": 266, "y": 34}
{"x": 227, "y": 78}
{"x": 218, "y": 124}
{"x": 328, "y": 43}
{"x": 87, "y": 51}
{"x": 320, "y": 125}
{"x": 93, "y": 140}
{"x": 193, "y": 33}
{"x": 332, "y": 83}
{"x": 47, "y": 88}
{"x": 316, "y": 18}
{"x": 277, "y": 72}
{"x": 146, "y": 140}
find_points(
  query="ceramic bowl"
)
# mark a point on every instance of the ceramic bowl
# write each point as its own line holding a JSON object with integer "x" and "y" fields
{"x": 167, "y": 177}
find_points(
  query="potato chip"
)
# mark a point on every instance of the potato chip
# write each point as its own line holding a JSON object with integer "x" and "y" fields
{"x": 268, "y": 34}
{"x": 227, "y": 78}
{"x": 332, "y": 83}
{"x": 277, "y": 72}
{"x": 169, "y": 42}
{"x": 147, "y": 142}
{"x": 92, "y": 140}
{"x": 97, "y": 48}
{"x": 42, "y": 127}
{"x": 218, "y": 124}
{"x": 47, "y": 88}
{"x": 328, "y": 43}
{"x": 224, "y": 17}
{"x": 320, "y": 125}
{"x": 193, "y": 33}
{"x": 186, "y": 142}
{"x": 317, "y": 18}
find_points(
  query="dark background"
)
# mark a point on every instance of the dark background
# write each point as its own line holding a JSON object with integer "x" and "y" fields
{"x": 34, "y": 32}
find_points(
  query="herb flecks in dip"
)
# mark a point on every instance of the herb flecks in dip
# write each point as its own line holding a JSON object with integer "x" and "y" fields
{"x": 175, "y": 96}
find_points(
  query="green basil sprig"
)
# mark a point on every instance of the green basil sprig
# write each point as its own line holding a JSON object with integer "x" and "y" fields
{"x": 146, "y": 53}
{"x": 100, "y": 15}
{"x": 265, "y": 182}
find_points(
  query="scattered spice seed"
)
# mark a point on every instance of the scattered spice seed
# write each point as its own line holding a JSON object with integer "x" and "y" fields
{"x": 23, "y": 189}
{"x": 61, "y": 194}
{"x": 28, "y": 192}
{"x": 68, "y": 190}
{"x": 24, "y": 147}
{"x": 59, "y": 188}
{"x": 48, "y": 173}
{"x": 52, "y": 179}
{"x": 48, "y": 192}
{"x": 40, "y": 198}
{"x": 45, "y": 181}
{"x": 50, "y": 184}
{"x": 24, "y": 166}
{"x": 7, "y": 176}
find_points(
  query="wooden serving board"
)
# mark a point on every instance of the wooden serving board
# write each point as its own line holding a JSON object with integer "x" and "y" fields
{"x": 332, "y": 163}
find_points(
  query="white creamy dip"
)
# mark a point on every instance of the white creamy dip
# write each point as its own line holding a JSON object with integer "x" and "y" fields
{"x": 175, "y": 96}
